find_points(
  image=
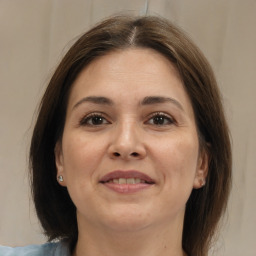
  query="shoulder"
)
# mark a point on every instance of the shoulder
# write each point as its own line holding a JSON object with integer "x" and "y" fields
{"x": 49, "y": 249}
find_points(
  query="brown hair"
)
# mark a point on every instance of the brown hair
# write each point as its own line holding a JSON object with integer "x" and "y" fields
{"x": 205, "y": 206}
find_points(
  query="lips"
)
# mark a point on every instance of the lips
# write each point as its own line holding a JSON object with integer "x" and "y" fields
{"x": 127, "y": 181}
{"x": 128, "y": 177}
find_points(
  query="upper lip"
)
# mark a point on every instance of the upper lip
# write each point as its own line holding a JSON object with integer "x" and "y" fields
{"x": 126, "y": 175}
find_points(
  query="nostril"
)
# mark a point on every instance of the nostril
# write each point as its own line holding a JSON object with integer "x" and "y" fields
{"x": 134, "y": 154}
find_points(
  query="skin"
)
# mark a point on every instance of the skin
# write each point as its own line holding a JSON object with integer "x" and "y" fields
{"x": 129, "y": 136}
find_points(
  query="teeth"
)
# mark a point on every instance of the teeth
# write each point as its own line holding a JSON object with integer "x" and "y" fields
{"x": 139, "y": 181}
{"x": 130, "y": 181}
{"x": 122, "y": 181}
{"x": 127, "y": 181}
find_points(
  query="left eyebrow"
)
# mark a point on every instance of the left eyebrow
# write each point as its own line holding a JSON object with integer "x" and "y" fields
{"x": 150, "y": 100}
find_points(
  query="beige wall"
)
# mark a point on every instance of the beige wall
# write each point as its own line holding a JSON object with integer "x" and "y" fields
{"x": 34, "y": 34}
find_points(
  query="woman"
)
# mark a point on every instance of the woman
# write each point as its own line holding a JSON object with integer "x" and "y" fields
{"x": 130, "y": 153}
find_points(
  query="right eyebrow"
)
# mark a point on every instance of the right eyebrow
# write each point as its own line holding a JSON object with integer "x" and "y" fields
{"x": 96, "y": 100}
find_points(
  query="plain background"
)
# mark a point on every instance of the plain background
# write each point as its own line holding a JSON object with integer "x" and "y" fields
{"x": 35, "y": 34}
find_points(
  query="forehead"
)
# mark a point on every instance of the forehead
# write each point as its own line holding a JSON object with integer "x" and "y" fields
{"x": 138, "y": 61}
{"x": 134, "y": 72}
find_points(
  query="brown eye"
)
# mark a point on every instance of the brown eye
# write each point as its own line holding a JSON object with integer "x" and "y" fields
{"x": 94, "y": 120}
{"x": 160, "y": 119}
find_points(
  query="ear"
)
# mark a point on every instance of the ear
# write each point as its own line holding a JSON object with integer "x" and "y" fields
{"x": 59, "y": 162}
{"x": 202, "y": 169}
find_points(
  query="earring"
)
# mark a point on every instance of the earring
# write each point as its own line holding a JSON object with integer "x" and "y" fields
{"x": 60, "y": 178}
{"x": 202, "y": 182}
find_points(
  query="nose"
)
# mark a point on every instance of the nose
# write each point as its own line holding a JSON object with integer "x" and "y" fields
{"x": 127, "y": 143}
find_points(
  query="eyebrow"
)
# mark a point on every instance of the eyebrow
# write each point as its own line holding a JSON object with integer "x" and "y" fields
{"x": 96, "y": 100}
{"x": 150, "y": 100}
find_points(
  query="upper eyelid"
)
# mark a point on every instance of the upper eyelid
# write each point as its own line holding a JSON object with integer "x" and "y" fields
{"x": 108, "y": 118}
{"x": 172, "y": 120}
{"x": 161, "y": 114}
{"x": 95, "y": 113}
{"x": 92, "y": 114}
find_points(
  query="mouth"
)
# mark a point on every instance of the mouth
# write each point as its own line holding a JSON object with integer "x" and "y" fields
{"x": 127, "y": 181}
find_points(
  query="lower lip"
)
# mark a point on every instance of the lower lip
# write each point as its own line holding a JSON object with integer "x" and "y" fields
{"x": 127, "y": 188}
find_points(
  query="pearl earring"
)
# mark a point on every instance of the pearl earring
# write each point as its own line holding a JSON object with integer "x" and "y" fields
{"x": 202, "y": 182}
{"x": 60, "y": 178}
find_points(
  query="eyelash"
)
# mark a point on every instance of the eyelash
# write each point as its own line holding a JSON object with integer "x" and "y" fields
{"x": 165, "y": 117}
{"x": 85, "y": 120}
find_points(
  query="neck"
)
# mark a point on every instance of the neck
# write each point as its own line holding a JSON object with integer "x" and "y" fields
{"x": 150, "y": 241}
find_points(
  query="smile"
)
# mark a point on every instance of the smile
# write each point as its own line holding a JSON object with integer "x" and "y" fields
{"x": 127, "y": 181}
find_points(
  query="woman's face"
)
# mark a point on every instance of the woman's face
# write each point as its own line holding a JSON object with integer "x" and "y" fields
{"x": 129, "y": 154}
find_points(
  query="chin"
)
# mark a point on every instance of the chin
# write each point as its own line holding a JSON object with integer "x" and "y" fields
{"x": 127, "y": 225}
{"x": 128, "y": 220}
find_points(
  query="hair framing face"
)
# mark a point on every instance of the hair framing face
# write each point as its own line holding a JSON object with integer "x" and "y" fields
{"x": 205, "y": 206}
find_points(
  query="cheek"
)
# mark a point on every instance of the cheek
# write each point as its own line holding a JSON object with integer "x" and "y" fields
{"x": 177, "y": 157}
{"x": 81, "y": 156}
{"x": 175, "y": 160}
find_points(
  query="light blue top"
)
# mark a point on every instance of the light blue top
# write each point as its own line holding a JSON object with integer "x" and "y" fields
{"x": 48, "y": 249}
